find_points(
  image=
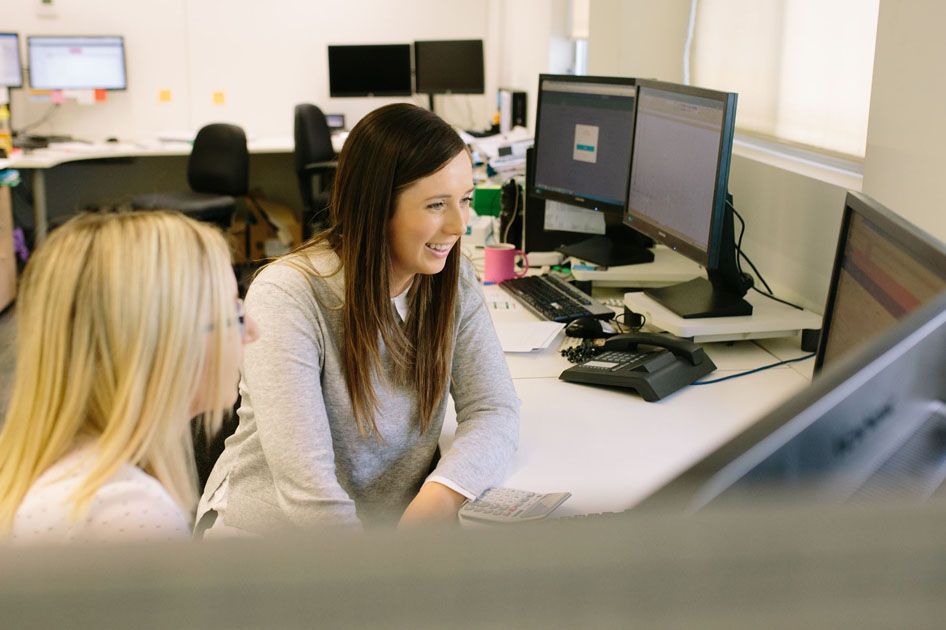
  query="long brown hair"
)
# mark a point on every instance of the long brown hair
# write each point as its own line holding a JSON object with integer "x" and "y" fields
{"x": 387, "y": 151}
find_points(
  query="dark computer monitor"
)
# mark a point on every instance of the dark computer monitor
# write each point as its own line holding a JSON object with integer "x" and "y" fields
{"x": 871, "y": 427}
{"x": 449, "y": 67}
{"x": 677, "y": 192}
{"x": 80, "y": 62}
{"x": 370, "y": 70}
{"x": 11, "y": 70}
{"x": 335, "y": 122}
{"x": 582, "y": 152}
{"x": 884, "y": 269}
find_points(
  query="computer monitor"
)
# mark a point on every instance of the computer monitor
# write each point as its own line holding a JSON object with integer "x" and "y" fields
{"x": 677, "y": 192}
{"x": 582, "y": 152}
{"x": 370, "y": 70}
{"x": 884, "y": 269}
{"x": 335, "y": 122}
{"x": 871, "y": 427}
{"x": 449, "y": 67}
{"x": 11, "y": 71}
{"x": 82, "y": 62}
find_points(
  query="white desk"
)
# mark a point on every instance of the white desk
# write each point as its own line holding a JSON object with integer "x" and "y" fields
{"x": 41, "y": 160}
{"x": 611, "y": 449}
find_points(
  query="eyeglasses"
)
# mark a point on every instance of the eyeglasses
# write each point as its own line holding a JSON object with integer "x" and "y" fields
{"x": 240, "y": 319}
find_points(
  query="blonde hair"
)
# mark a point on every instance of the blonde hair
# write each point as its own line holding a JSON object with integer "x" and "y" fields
{"x": 112, "y": 325}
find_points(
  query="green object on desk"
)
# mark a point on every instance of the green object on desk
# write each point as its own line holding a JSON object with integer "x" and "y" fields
{"x": 487, "y": 200}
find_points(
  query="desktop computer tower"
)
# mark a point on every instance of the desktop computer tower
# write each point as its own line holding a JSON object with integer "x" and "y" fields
{"x": 512, "y": 109}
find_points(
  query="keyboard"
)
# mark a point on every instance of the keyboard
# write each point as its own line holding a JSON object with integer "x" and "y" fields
{"x": 554, "y": 299}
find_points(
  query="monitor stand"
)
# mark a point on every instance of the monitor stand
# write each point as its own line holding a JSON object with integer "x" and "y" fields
{"x": 769, "y": 319}
{"x": 605, "y": 251}
{"x": 698, "y": 298}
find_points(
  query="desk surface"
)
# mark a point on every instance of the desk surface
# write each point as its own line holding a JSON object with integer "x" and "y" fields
{"x": 611, "y": 449}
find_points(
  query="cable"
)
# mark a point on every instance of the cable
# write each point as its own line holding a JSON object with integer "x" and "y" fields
{"x": 49, "y": 112}
{"x": 515, "y": 211}
{"x": 741, "y": 254}
{"x": 777, "y": 299}
{"x": 758, "y": 369}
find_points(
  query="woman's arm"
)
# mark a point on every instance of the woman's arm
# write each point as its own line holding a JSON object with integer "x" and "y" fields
{"x": 435, "y": 503}
{"x": 486, "y": 402}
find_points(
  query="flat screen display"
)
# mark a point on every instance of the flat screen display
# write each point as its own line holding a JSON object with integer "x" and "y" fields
{"x": 11, "y": 72}
{"x": 72, "y": 63}
{"x": 583, "y": 140}
{"x": 885, "y": 268}
{"x": 449, "y": 67}
{"x": 370, "y": 70}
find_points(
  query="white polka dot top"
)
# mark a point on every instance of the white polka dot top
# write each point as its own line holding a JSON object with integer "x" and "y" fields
{"x": 131, "y": 506}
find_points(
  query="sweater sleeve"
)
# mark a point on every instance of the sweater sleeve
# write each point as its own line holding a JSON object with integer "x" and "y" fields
{"x": 282, "y": 374}
{"x": 486, "y": 402}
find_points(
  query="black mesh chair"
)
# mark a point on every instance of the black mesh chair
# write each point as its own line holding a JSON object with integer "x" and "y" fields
{"x": 315, "y": 165}
{"x": 217, "y": 173}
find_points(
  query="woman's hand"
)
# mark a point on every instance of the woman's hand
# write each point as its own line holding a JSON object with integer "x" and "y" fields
{"x": 434, "y": 504}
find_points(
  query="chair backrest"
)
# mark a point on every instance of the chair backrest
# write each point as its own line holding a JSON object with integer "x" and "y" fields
{"x": 313, "y": 141}
{"x": 219, "y": 162}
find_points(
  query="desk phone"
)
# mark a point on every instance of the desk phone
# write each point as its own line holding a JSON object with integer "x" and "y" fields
{"x": 653, "y": 365}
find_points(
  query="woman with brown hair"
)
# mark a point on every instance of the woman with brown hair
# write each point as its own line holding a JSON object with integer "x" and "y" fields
{"x": 368, "y": 327}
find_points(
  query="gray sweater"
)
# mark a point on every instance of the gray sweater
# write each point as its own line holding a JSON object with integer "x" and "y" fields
{"x": 297, "y": 458}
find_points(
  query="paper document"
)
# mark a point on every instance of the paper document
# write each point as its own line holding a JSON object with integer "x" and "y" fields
{"x": 527, "y": 336}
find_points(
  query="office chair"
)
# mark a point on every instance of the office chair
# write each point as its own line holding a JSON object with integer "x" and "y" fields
{"x": 217, "y": 173}
{"x": 314, "y": 160}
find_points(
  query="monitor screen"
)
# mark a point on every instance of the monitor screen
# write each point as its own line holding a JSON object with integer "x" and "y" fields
{"x": 884, "y": 269}
{"x": 335, "y": 122}
{"x": 583, "y": 140}
{"x": 680, "y": 167}
{"x": 11, "y": 71}
{"x": 66, "y": 63}
{"x": 371, "y": 70}
{"x": 449, "y": 67}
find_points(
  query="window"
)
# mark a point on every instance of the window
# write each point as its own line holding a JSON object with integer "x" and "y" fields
{"x": 802, "y": 68}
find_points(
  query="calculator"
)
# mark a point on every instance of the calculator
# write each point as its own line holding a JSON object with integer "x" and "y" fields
{"x": 507, "y": 505}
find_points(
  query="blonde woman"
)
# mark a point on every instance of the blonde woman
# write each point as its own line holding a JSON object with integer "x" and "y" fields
{"x": 128, "y": 326}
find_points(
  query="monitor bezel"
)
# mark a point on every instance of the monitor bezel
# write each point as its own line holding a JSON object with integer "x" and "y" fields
{"x": 19, "y": 59}
{"x": 419, "y": 89}
{"x": 574, "y": 200}
{"x": 120, "y": 38}
{"x": 346, "y": 93}
{"x": 710, "y": 257}
{"x": 925, "y": 247}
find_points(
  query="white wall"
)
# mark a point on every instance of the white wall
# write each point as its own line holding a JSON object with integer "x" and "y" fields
{"x": 638, "y": 38}
{"x": 533, "y": 41}
{"x": 792, "y": 220}
{"x": 268, "y": 57}
{"x": 906, "y": 141}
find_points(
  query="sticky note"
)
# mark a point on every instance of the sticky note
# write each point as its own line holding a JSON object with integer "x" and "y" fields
{"x": 100, "y": 96}
{"x": 56, "y": 97}
{"x": 4, "y": 95}
{"x": 218, "y": 98}
{"x": 164, "y": 96}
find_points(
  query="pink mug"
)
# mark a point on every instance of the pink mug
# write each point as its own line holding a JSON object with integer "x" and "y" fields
{"x": 500, "y": 263}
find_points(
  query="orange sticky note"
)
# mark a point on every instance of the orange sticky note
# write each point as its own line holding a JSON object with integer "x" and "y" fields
{"x": 218, "y": 98}
{"x": 164, "y": 96}
{"x": 100, "y": 96}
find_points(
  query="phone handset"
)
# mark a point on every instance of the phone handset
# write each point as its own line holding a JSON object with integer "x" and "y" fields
{"x": 683, "y": 348}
